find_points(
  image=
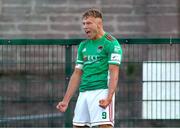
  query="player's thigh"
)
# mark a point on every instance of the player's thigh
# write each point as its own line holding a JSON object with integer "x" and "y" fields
{"x": 81, "y": 114}
{"x": 98, "y": 115}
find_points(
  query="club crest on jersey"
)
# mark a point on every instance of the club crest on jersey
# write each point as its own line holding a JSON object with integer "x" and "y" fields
{"x": 100, "y": 48}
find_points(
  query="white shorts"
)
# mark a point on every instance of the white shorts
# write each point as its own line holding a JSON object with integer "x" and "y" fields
{"x": 88, "y": 112}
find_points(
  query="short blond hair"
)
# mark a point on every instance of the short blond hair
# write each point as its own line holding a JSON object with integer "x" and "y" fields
{"x": 96, "y": 13}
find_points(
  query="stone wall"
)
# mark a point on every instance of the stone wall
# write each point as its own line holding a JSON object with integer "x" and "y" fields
{"x": 62, "y": 18}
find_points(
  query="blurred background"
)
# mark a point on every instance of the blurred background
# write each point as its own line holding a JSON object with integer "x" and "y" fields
{"x": 38, "y": 46}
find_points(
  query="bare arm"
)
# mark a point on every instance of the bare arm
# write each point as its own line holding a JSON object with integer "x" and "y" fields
{"x": 73, "y": 84}
{"x": 114, "y": 74}
{"x": 72, "y": 87}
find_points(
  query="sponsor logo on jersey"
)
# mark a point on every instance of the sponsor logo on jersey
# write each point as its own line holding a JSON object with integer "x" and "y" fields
{"x": 115, "y": 57}
{"x": 85, "y": 58}
{"x": 91, "y": 59}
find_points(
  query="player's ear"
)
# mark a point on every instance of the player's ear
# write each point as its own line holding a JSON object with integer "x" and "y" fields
{"x": 99, "y": 22}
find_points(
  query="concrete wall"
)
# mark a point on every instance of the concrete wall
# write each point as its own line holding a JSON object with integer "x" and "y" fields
{"x": 62, "y": 18}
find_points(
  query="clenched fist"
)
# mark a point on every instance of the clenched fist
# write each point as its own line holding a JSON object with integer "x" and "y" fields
{"x": 104, "y": 103}
{"x": 62, "y": 106}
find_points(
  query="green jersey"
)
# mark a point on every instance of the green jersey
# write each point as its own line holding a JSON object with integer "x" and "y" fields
{"x": 94, "y": 57}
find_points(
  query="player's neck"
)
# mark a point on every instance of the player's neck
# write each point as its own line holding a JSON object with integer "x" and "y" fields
{"x": 99, "y": 35}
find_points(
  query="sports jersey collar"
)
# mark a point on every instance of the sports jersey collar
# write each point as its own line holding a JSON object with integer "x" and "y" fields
{"x": 99, "y": 39}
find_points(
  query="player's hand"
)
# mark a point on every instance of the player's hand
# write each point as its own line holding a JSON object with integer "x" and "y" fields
{"x": 104, "y": 103}
{"x": 62, "y": 106}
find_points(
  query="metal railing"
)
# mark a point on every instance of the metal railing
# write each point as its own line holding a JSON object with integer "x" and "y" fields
{"x": 34, "y": 74}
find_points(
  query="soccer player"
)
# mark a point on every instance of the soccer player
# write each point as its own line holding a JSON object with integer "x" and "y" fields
{"x": 96, "y": 74}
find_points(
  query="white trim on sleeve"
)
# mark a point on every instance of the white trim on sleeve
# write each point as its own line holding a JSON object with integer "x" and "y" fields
{"x": 79, "y": 66}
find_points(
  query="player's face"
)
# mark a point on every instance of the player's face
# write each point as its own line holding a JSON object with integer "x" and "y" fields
{"x": 91, "y": 27}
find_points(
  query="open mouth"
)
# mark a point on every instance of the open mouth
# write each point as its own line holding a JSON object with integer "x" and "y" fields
{"x": 88, "y": 32}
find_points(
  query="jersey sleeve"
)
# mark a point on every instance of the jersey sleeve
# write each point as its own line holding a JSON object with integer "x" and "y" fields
{"x": 114, "y": 53}
{"x": 79, "y": 58}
